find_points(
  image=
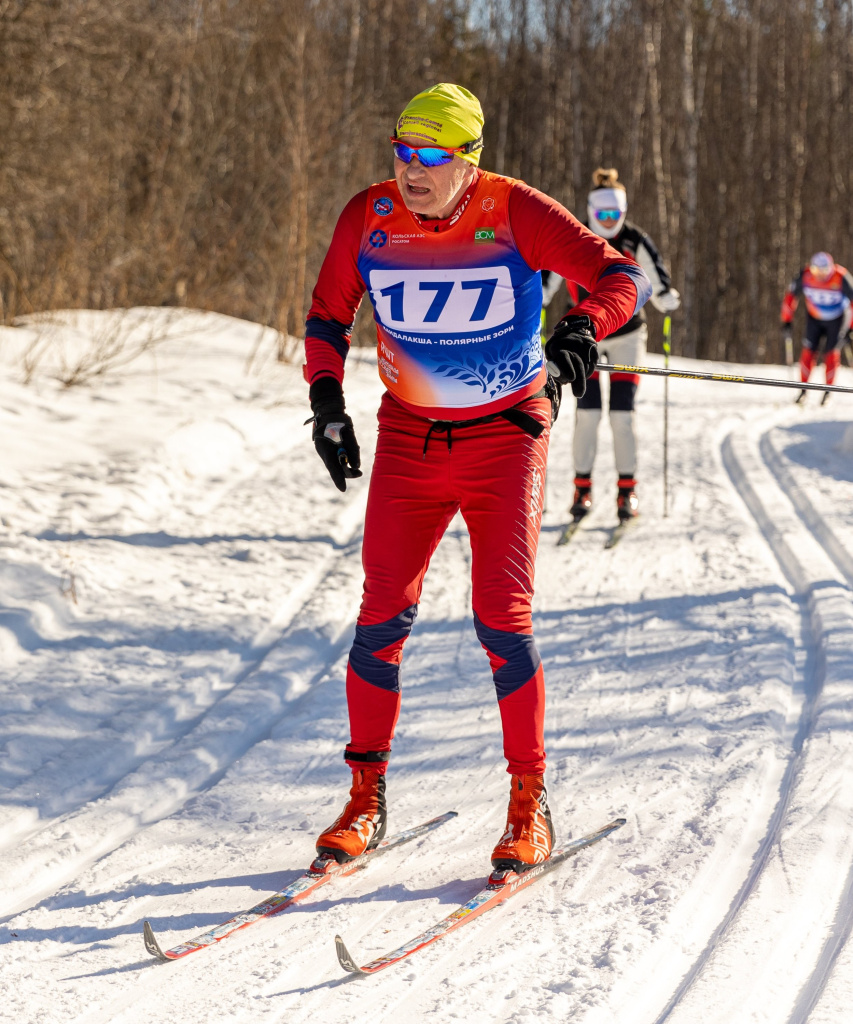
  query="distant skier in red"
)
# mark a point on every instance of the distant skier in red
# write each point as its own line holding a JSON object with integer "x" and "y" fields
{"x": 827, "y": 288}
{"x": 450, "y": 256}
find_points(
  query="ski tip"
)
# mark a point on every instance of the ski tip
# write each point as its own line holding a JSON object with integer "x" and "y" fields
{"x": 151, "y": 943}
{"x": 344, "y": 958}
{"x": 569, "y": 532}
{"x": 620, "y": 821}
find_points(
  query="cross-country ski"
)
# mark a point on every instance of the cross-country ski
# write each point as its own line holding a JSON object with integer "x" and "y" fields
{"x": 323, "y": 869}
{"x": 570, "y": 530}
{"x": 499, "y": 888}
{"x": 618, "y": 532}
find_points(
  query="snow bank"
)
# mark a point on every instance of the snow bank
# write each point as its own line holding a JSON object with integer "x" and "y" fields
{"x": 178, "y": 588}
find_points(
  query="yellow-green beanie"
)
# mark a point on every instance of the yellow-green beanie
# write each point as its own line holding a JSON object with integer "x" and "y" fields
{"x": 447, "y": 115}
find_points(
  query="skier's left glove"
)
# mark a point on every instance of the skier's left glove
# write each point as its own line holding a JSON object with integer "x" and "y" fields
{"x": 571, "y": 352}
{"x": 333, "y": 434}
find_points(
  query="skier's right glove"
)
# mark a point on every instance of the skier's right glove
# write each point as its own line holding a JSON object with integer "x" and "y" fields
{"x": 333, "y": 434}
{"x": 571, "y": 352}
{"x": 786, "y": 333}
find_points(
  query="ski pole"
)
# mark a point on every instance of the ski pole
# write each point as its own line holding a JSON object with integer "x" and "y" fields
{"x": 667, "y": 332}
{"x": 656, "y": 371}
{"x": 789, "y": 349}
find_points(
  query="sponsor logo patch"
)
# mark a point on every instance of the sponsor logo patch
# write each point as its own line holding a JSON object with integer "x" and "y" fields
{"x": 377, "y": 239}
{"x": 484, "y": 235}
{"x": 383, "y": 206}
{"x": 488, "y": 204}
{"x": 390, "y": 371}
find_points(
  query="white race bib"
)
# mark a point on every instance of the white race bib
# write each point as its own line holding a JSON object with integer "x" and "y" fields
{"x": 444, "y": 301}
{"x": 822, "y": 297}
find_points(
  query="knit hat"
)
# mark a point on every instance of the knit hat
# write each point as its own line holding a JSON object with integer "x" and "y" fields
{"x": 447, "y": 115}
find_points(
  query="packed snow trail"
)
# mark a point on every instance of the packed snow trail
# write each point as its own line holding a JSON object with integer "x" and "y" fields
{"x": 179, "y": 588}
{"x": 828, "y": 628}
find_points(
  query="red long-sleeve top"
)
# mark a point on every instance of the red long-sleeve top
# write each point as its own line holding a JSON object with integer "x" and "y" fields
{"x": 544, "y": 233}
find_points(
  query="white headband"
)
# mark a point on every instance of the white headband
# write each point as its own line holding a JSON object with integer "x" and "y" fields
{"x": 608, "y": 199}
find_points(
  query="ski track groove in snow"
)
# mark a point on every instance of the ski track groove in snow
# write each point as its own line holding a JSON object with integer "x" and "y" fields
{"x": 22, "y": 828}
{"x": 738, "y": 452}
{"x": 842, "y": 559}
{"x": 258, "y": 705}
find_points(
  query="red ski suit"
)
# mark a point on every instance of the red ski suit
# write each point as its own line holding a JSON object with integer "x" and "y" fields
{"x": 827, "y": 316}
{"x": 457, "y": 306}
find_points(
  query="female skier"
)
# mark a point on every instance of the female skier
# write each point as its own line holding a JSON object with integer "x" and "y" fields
{"x": 607, "y": 206}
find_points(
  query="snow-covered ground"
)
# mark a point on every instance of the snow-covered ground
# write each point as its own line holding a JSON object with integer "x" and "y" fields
{"x": 178, "y": 586}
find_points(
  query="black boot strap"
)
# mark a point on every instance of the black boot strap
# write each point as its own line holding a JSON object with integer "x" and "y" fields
{"x": 369, "y": 756}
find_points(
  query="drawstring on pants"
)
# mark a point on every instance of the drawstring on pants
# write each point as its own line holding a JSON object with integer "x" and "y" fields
{"x": 515, "y": 415}
{"x": 441, "y": 427}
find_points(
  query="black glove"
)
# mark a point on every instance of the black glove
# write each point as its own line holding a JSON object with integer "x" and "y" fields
{"x": 786, "y": 332}
{"x": 571, "y": 352}
{"x": 334, "y": 437}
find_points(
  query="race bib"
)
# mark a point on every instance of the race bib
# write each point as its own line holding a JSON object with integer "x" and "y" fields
{"x": 825, "y": 298}
{"x": 443, "y": 301}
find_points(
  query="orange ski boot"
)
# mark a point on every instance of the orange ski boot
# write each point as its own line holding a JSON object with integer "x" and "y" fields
{"x": 361, "y": 825}
{"x": 529, "y": 833}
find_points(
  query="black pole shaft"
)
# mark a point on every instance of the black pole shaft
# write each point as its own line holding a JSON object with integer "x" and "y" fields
{"x": 656, "y": 371}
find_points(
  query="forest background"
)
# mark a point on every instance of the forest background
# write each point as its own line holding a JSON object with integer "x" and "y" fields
{"x": 198, "y": 152}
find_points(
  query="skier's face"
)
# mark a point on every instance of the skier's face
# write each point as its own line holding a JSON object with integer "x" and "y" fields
{"x": 431, "y": 191}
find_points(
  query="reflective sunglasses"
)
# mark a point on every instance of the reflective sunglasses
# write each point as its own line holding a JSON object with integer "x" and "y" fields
{"x": 605, "y": 215}
{"x": 432, "y": 156}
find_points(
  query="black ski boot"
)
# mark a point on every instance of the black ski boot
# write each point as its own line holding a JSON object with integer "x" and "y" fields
{"x": 583, "y": 497}
{"x": 627, "y": 502}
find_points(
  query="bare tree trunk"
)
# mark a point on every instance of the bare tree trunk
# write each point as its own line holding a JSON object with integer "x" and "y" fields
{"x": 291, "y": 310}
{"x": 693, "y": 93}
{"x": 347, "y": 125}
{"x": 752, "y": 28}
{"x": 691, "y": 168}
{"x": 578, "y": 175}
{"x": 799, "y": 134}
{"x": 651, "y": 34}
{"x": 635, "y": 158}
{"x": 782, "y": 241}
{"x": 503, "y": 127}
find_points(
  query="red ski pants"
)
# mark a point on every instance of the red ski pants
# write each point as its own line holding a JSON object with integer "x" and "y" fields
{"x": 828, "y": 331}
{"x": 832, "y": 360}
{"x": 495, "y": 474}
